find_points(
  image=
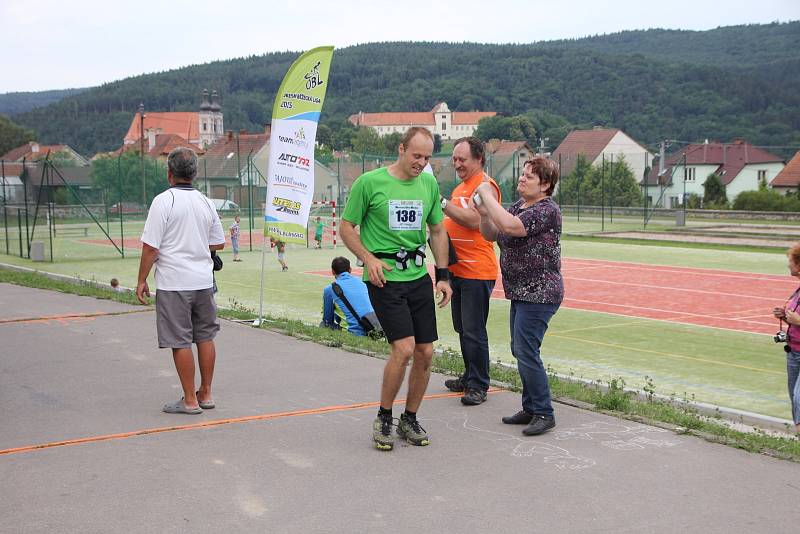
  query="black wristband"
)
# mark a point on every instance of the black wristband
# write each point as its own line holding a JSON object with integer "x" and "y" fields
{"x": 442, "y": 274}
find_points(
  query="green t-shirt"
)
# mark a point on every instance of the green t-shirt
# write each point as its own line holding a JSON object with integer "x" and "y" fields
{"x": 392, "y": 213}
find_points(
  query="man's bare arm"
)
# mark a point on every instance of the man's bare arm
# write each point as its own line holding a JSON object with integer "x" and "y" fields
{"x": 373, "y": 265}
{"x": 149, "y": 257}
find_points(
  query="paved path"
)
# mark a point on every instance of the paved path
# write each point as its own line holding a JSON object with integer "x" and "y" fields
{"x": 288, "y": 448}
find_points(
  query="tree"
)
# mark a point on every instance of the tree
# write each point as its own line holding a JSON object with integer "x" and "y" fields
{"x": 437, "y": 143}
{"x": 324, "y": 136}
{"x": 765, "y": 200}
{"x": 367, "y": 141}
{"x": 573, "y": 187}
{"x": 714, "y": 192}
{"x": 391, "y": 142}
{"x": 121, "y": 177}
{"x": 519, "y": 128}
{"x": 342, "y": 138}
{"x": 592, "y": 185}
{"x": 12, "y": 135}
{"x": 62, "y": 158}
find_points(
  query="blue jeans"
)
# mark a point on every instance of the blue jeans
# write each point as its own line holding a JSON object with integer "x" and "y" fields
{"x": 529, "y": 322}
{"x": 793, "y": 373}
{"x": 235, "y": 244}
{"x": 469, "y": 306}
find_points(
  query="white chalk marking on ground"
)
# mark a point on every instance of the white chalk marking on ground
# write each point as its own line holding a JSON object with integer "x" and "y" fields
{"x": 554, "y": 455}
{"x": 616, "y": 435}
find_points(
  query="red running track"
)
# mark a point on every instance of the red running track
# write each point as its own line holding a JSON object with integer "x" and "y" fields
{"x": 703, "y": 297}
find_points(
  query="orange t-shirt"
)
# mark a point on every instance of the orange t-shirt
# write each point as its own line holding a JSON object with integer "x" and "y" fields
{"x": 476, "y": 259}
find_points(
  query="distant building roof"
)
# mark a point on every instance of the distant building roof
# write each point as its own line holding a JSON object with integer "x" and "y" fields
{"x": 790, "y": 175}
{"x": 34, "y": 151}
{"x": 166, "y": 143}
{"x": 589, "y": 143}
{"x": 417, "y": 118}
{"x": 11, "y": 169}
{"x": 219, "y": 165}
{"x": 183, "y": 123}
{"x": 729, "y": 159}
{"x": 501, "y": 148}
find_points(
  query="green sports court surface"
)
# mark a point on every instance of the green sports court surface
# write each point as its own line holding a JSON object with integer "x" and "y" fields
{"x": 696, "y": 321}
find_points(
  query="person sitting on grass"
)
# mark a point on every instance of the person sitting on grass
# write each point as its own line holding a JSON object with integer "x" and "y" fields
{"x": 354, "y": 290}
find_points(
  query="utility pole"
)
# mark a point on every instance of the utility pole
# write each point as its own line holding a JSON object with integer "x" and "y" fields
{"x": 141, "y": 156}
{"x": 542, "y": 141}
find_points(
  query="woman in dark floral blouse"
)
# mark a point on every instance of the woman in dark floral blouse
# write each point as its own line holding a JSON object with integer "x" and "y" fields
{"x": 529, "y": 236}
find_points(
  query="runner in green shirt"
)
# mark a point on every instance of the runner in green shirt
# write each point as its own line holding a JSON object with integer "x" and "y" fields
{"x": 392, "y": 206}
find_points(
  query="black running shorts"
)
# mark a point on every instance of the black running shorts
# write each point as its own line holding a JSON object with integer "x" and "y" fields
{"x": 406, "y": 309}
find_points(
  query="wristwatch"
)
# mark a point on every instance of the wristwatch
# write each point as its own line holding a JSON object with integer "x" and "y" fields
{"x": 444, "y": 203}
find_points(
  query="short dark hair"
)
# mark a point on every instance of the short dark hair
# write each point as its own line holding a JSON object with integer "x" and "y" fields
{"x": 340, "y": 265}
{"x": 546, "y": 170}
{"x": 182, "y": 163}
{"x": 414, "y": 130}
{"x": 476, "y": 148}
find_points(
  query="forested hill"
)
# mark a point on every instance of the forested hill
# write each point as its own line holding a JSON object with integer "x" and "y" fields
{"x": 653, "y": 84}
{"x": 732, "y": 46}
{"x": 12, "y": 103}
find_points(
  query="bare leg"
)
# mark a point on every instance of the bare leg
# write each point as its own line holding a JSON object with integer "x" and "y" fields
{"x": 395, "y": 370}
{"x": 419, "y": 376}
{"x": 207, "y": 357}
{"x": 184, "y": 364}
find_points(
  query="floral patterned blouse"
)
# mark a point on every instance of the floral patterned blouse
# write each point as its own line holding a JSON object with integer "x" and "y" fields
{"x": 531, "y": 265}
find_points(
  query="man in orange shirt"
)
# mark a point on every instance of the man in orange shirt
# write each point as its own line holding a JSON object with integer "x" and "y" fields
{"x": 473, "y": 276}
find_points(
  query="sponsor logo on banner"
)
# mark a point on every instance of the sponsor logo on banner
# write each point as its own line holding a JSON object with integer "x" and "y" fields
{"x": 288, "y": 181}
{"x": 312, "y": 78}
{"x": 284, "y": 205}
{"x": 299, "y": 139}
{"x": 291, "y": 158}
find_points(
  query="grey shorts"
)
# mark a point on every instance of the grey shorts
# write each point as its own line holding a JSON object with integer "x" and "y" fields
{"x": 185, "y": 317}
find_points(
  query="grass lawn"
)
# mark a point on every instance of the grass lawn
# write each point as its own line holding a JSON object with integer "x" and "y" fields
{"x": 739, "y": 370}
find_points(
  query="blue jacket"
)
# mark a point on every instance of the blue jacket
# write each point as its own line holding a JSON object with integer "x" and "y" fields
{"x": 356, "y": 292}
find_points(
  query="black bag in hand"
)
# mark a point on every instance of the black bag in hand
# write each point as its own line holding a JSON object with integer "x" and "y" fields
{"x": 217, "y": 260}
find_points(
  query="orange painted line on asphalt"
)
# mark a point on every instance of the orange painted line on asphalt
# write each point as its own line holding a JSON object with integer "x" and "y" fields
{"x": 218, "y": 422}
{"x": 67, "y": 317}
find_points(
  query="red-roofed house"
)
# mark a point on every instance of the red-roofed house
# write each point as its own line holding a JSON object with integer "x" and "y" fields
{"x": 598, "y": 142}
{"x": 198, "y": 128}
{"x": 788, "y": 179}
{"x": 439, "y": 120}
{"x": 740, "y": 166}
{"x": 163, "y": 144}
{"x": 33, "y": 151}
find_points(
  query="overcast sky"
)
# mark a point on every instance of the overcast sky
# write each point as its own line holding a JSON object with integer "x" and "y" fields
{"x": 55, "y": 44}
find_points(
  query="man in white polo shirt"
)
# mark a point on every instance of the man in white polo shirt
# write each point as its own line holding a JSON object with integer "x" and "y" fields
{"x": 181, "y": 232}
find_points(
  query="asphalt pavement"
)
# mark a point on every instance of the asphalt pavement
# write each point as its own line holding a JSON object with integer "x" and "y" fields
{"x": 84, "y": 446}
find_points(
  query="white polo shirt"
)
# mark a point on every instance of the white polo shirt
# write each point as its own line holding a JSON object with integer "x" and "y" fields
{"x": 182, "y": 223}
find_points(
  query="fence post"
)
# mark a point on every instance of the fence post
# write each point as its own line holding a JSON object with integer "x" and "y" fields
{"x": 5, "y": 215}
{"x": 611, "y": 191}
{"x": 25, "y": 196}
{"x": 121, "y": 225}
{"x": 19, "y": 231}
{"x": 603, "y": 195}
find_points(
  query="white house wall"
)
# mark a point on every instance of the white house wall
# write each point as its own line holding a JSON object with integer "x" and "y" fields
{"x": 636, "y": 157}
{"x": 675, "y": 191}
{"x": 747, "y": 179}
